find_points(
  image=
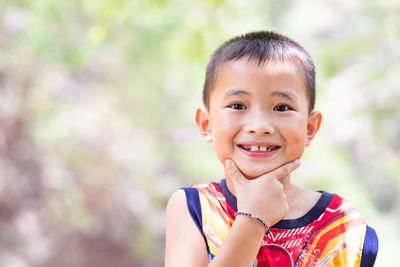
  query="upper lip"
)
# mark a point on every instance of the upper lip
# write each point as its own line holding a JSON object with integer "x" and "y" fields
{"x": 257, "y": 144}
{"x": 258, "y": 147}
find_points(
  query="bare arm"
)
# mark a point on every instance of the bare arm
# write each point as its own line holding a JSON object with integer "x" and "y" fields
{"x": 241, "y": 245}
{"x": 185, "y": 245}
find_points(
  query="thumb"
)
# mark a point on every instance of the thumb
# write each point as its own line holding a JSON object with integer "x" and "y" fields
{"x": 233, "y": 172}
{"x": 284, "y": 170}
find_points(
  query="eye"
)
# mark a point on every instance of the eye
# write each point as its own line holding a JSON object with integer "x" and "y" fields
{"x": 282, "y": 108}
{"x": 237, "y": 106}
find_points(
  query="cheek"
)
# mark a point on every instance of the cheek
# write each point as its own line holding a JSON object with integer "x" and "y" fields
{"x": 221, "y": 150}
{"x": 223, "y": 131}
{"x": 223, "y": 125}
{"x": 298, "y": 151}
{"x": 297, "y": 140}
{"x": 295, "y": 150}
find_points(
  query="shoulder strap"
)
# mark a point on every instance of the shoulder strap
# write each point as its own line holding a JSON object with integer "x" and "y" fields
{"x": 370, "y": 249}
{"x": 194, "y": 207}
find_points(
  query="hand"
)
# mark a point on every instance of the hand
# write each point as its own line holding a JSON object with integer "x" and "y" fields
{"x": 264, "y": 195}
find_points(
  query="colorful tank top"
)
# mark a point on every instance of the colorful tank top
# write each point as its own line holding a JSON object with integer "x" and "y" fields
{"x": 332, "y": 233}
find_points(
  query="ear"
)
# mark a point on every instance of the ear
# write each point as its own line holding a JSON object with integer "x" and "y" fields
{"x": 313, "y": 124}
{"x": 203, "y": 122}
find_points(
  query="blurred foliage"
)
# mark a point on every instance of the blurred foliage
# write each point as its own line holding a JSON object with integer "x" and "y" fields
{"x": 96, "y": 117}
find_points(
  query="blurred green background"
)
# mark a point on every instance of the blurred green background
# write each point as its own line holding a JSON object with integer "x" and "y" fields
{"x": 97, "y": 103}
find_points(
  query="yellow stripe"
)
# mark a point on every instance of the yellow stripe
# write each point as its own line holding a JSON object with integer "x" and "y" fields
{"x": 352, "y": 215}
{"x": 330, "y": 245}
{"x": 214, "y": 227}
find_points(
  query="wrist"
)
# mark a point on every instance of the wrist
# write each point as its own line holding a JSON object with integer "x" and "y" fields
{"x": 255, "y": 218}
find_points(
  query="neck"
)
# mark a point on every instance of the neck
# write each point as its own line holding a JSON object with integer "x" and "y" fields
{"x": 288, "y": 187}
{"x": 300, "y": 200}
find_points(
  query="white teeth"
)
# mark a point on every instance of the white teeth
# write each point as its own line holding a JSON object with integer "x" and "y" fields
{"x": 259, "y": 148}
{"x": 263, "y": 148}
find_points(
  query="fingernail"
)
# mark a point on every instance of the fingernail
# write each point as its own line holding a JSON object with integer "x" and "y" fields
{"x": 228, "y": 163}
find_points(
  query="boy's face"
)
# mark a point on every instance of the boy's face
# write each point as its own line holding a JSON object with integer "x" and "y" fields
{"x": 258, "y": 115}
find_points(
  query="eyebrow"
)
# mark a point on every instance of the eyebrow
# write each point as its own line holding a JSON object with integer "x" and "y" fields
{"x": 235, "y": 92}
{"x": 282, "y": 93}
{"x": 286, "y": 94}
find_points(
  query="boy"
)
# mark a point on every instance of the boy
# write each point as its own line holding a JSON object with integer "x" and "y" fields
{"x": 258, "y": 111}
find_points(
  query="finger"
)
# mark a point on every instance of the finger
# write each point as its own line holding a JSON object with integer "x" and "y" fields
{"x": 284, "y": 170}
{"x": 233, "y": 172}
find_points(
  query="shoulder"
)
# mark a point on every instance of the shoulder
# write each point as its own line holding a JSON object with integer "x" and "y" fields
{"x": 176, "y": 210}
{"x": 370, "y": 248}
{"x": 370, "y": 244}
{"x": 177, "y": 200}
{"x": 339, "y": 205}
{"x": 181, "y": 203}
{"x": 182, "y": 198}
{"x": 341, "y": 213}
{"x": 184, "y": 244}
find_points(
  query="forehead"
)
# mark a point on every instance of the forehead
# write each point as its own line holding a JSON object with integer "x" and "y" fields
{"x": 272, "y": 68}
{"x": 249, "y": 73}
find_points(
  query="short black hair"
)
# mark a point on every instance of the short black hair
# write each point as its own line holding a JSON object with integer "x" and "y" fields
{"x": 262, "y": 46}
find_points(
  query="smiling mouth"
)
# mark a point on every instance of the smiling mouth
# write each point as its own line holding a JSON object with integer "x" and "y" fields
{"x": 258, "y": 148}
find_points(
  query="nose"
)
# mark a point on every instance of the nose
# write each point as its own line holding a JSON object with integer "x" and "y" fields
{"x": 259, "y": 124}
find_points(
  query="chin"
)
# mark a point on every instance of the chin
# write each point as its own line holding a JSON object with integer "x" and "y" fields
{"x": 253, "y": 174}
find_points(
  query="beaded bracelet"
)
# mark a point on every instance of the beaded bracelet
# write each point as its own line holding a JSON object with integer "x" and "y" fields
{"x": 254, "y": 217}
